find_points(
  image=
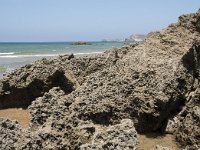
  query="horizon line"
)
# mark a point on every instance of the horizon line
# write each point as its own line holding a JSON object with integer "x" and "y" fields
{"x": 59, "y": 41}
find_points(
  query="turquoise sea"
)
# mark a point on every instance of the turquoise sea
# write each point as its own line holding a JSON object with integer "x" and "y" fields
{"x": 15, "y": 55}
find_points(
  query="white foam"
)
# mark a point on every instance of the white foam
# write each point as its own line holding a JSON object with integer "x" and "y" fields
{"x": 43, "y": 55}
{"x": 23, "y": 56}
{"x": 11, "y": 53}
{"x": 9, "y": 56}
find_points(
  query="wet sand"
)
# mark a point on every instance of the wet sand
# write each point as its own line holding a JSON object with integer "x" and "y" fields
{"x": 19, "y": 114}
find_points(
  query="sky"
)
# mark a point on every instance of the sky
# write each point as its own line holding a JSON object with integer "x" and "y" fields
{"x": 88, "y": 20}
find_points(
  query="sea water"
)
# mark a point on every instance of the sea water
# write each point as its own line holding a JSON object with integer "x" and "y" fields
{"x": 15, "y": 55}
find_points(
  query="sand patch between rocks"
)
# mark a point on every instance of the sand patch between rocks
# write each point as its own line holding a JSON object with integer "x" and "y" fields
{"x": 19, "y": 114}
{"x": 149, "y": 141}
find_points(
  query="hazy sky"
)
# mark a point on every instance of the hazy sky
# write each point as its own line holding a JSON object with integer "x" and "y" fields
{"x": 69, "y": 20}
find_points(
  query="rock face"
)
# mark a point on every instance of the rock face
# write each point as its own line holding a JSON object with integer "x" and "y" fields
{"x": 99, "y": 102}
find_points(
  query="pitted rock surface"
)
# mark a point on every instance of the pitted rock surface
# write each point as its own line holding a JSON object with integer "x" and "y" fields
{"x": 117, "y": 137}
{"x": 10, "y": 132}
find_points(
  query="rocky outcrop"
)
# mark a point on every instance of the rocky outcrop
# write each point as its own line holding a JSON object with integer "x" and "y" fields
{"x": 21, "y": 87}
{"x": 148, "y": 85}
{"x": 24, "y": 85}
{"x": 78, "y": 103}
{"x": 51, "y": 128}
{"x": 81, "y": 43}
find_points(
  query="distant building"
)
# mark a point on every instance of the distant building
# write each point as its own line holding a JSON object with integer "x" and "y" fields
{"x": 135, "y": 38}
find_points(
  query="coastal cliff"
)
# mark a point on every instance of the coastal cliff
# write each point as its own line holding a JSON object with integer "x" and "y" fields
{"x": 104, "y": 101}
